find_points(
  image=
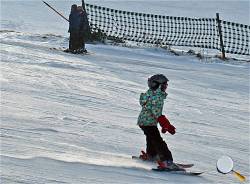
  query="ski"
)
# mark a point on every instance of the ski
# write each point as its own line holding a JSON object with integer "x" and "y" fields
{"x": 185, "y": 165}
{"x": 67, "y": 51}
{"x": 77, "y": 52}
{"x": 183, "y": 172}
{"x": 179, "y": 164}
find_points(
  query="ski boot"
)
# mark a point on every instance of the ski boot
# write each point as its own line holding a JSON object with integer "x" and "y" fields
{"x": 169, "y": 165}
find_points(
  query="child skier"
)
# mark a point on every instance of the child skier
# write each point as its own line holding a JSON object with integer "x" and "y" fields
{"x": 152, "y": 104}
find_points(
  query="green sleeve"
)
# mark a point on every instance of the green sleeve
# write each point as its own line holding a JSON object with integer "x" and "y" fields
{"x": 143, "y": 99}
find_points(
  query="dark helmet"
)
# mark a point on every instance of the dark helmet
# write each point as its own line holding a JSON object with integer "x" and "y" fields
{"x": 156, "y": 80}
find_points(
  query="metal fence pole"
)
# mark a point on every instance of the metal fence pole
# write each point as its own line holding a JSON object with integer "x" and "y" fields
{"x": 83, "y": 5}
{"x": 220, "y": 34}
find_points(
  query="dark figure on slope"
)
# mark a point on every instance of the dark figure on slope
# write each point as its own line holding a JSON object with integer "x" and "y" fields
{"x": 84, "y": 29}
{"x": 74, "y": 28}
{"x": 152, "y": 104}
{"x": 78, "y": 29}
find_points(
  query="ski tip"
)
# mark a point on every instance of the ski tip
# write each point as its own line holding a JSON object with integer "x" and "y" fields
{"x": 178, "y": 172}
{"x": 185, "y": 165}
{"x": 196, "y": 173}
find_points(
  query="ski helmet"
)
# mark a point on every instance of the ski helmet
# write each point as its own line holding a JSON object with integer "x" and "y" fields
{"x": 156, "y": 80}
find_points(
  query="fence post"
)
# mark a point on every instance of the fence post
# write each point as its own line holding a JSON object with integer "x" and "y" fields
{"x": 83, "y": 5}
{"x": 220, "y": 34}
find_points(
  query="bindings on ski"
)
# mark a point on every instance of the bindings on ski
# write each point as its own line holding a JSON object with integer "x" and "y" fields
{"x": 169, "y": 166}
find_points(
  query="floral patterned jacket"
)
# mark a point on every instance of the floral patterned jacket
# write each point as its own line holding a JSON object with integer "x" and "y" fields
{"x": 152, "y": 104}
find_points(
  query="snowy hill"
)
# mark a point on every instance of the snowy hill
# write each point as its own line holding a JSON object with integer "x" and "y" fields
{"x": 72, "y": 119}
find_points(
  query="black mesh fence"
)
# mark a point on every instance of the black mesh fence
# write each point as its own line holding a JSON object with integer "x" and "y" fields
{"x": 169, "y": 30}
{"x": 235, "y": 37}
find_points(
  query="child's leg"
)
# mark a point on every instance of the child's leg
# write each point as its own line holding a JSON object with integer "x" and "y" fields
{"x": 151, "y": 151}
{"x": 150, "y": 147}
{"x": 157, "y": 143}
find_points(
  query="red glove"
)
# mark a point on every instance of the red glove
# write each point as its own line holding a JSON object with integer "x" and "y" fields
{"x": 165, "y": 124}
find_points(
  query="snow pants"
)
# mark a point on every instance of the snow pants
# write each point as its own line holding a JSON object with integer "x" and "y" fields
{"x": 155, "y": 144}
{"x": 74, "y": 40}
{"x": 82, "y": 40}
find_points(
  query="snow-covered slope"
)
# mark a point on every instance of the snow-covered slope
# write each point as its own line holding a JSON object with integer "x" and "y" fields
{"x": 72, "y": 119}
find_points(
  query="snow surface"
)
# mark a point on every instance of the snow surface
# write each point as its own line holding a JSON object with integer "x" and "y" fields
{"x": 72, "y": 119}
